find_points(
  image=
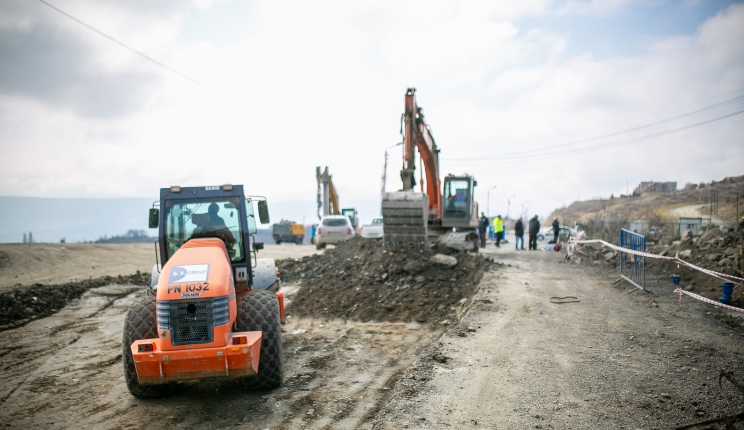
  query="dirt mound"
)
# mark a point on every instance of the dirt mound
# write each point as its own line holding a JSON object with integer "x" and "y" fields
{"x": 23, "y": 304}
{"x": 358, "y": 281}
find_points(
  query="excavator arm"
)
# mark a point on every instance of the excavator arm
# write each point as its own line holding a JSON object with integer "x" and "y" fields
{"x": 417, "y": 135}
{"x": 327, "y": 195}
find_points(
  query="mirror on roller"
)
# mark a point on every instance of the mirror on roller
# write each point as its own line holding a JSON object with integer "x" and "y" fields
{"x": 154, "y": 215}
{"x": 263, "y": 212}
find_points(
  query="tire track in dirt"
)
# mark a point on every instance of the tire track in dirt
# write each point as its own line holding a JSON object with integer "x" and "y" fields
{"x": 341, "y": 372}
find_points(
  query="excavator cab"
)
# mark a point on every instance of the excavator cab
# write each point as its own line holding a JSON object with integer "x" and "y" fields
{"x": 459, "y": 206}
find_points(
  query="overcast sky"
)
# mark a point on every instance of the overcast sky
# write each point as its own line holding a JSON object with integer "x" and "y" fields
{"x": 547, "y": 101}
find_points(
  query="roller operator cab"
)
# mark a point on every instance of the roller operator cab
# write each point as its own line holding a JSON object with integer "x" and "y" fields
{"x": 213, "y": 308}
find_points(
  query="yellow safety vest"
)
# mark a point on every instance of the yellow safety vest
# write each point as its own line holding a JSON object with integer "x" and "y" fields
{"x": 498, "y": 225}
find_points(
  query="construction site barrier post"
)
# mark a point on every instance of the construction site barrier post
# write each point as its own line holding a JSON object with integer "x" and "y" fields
{"x": 633, "y": 267}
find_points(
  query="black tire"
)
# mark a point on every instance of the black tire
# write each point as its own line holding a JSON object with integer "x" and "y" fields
{"x": 259, "y": 311}
{"x": 319, "y": 246}
{"x": 278, "y": 242}
{"x": 540, "y": 237}
{"x": 141, "y": 324}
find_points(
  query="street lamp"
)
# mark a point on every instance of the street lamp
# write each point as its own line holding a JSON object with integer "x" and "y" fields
{"x": 488, "y": 201}
{"x": 384, "y": 172}
{"x": 508, "y": 205}
{"x": 524, "y": 214}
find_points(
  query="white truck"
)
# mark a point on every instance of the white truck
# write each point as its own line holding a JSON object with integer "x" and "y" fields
{"x": 374, "y": 230}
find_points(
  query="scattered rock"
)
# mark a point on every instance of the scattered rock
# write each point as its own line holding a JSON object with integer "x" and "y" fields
{"x": 711, "y": 234}
{"x": 686, "y": 253}
{"x": 443, "y": 260}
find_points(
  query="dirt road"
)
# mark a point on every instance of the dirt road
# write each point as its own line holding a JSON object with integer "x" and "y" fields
{"x": 610, "y": 360}
{"x": 516, "y": 360}
{"x": 695, "y": 211}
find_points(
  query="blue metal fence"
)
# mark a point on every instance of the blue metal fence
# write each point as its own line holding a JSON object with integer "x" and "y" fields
{"x": 633, "y": 267}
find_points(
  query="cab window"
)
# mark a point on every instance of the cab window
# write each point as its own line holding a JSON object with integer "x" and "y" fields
{"x": 220, "y": 218}
{"x": 250, "y": 216}
{"x": 456, "y": 198}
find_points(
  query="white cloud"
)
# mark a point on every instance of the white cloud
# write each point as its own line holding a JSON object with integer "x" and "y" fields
{"x": 595, "y": 8}
{"x": 312, "y": 83}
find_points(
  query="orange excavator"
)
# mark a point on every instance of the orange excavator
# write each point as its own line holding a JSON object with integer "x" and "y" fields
{"x": 213, "y": 308}
{"x": 444, "y": 211}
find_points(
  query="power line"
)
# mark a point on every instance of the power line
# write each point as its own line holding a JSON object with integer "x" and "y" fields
{"x": 124, "y": 45}
{"x": 563, "y": 145}
{"x": 523, "y": 158}
{"x": 644, "y": 115}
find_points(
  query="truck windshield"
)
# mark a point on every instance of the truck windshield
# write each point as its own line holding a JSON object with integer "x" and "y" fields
{"x": 220, "y": 218}
{"x": 456, "y": 198}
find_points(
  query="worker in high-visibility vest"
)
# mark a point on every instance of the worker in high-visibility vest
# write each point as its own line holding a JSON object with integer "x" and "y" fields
{"x": 498, "y": 229}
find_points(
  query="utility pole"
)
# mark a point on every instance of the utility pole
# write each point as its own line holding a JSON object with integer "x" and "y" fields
{"x": 736, "y": 221}
{"x": 488, "y": 201}
{"x": 384, "y": 171}
{"x": 508, "y": 205}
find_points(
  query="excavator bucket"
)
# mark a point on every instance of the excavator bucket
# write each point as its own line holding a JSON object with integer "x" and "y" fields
{"x": 404, "y": 220}
{"x": 466, "y": 240}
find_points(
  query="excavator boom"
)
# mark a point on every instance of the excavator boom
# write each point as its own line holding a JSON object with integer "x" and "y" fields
{"x": 417, "y": 135}
{"x": 327, "y": 195}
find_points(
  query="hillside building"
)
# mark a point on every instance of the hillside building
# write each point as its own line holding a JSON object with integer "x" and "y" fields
{"x": 655, "y": 187}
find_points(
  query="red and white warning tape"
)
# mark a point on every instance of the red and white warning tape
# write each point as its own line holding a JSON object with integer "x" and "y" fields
{"x": 680, "y": 291}
{"x": 722, "y": 276}
{"x": 629, "y": 251}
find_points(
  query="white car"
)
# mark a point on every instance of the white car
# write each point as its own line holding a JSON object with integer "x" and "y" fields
{"x": 333, "y": 229}
{"x": 374, "y": 230}
{"x": 563, "y": 231}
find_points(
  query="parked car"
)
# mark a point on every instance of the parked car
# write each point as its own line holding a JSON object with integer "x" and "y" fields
{"x": 373, "y": 230}
{"x": 563, "y": 232}
{"x": 333, "y": 229}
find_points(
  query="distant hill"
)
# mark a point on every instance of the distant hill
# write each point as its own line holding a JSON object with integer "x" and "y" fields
{"x": 75, "y": 220}
{"x": 599, "y": 215}
{"x": 90, "y": 220}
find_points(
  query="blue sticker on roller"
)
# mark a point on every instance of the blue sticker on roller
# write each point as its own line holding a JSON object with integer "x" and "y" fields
{"x": 189, "y": 273}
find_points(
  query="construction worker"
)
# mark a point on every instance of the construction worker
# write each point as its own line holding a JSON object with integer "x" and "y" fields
{"x": 534, "y": 228}
{"x": 519, "y": 233}
{"x": 483, "y": 229}
{"x": 498, "y": 228}
{"x": 217, "y": 226}
{"x": 556, "y": 230}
